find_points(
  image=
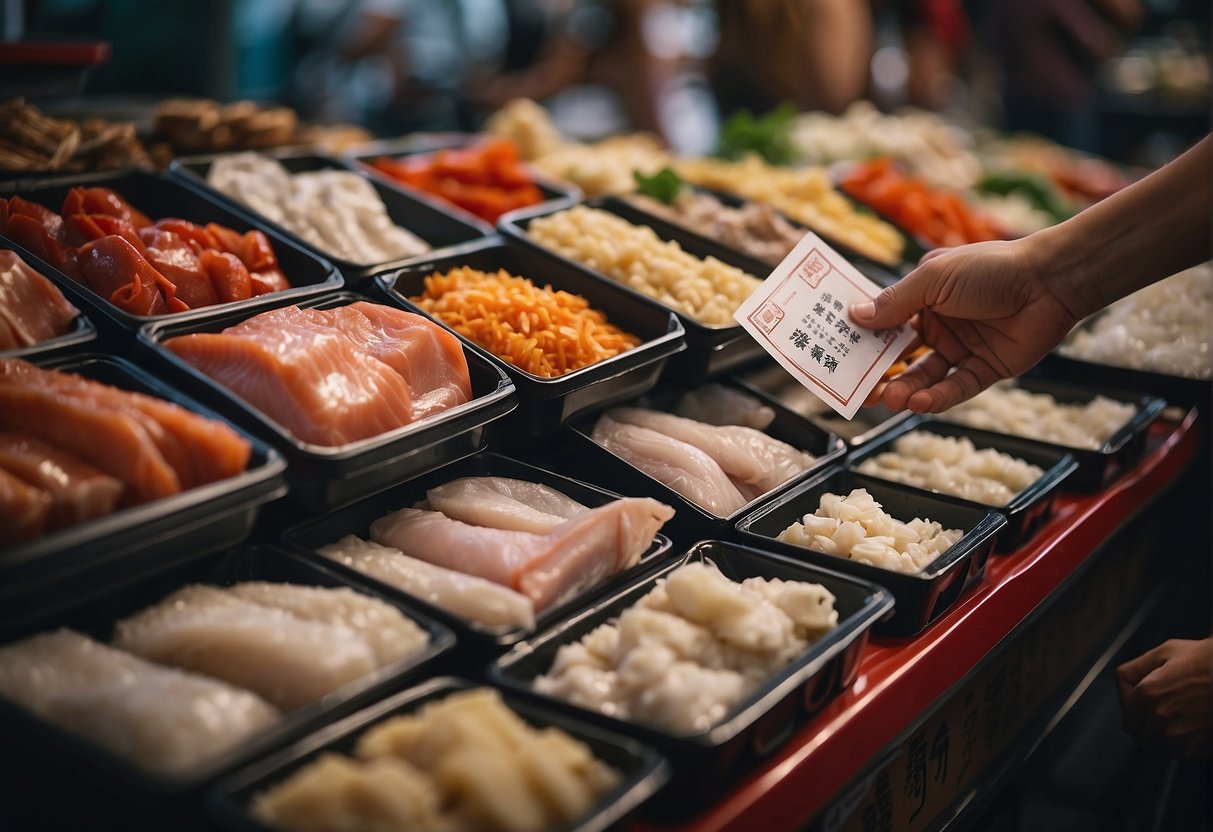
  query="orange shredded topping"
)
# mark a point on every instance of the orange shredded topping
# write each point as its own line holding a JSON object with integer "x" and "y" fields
{"x": 542, "y": 331}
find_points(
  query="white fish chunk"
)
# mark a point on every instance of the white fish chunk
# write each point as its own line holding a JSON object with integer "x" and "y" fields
{"x": 716, "y": 404}
{"x": 504, "y": 503}
{"x": 160, "y": 718}
{"x": 466, "y": 596}
{"x": 682, "y": 467}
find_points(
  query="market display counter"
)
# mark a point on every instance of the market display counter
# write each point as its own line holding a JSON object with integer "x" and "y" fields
{"x": 931, "y": 719}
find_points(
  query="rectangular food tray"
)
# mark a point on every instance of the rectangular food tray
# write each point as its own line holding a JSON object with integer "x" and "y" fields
{"x": 98, "y": 766}
{"x": 1177, "y": 390}
{"x": 476, "y": 640}
{"x": 711, "y": 350}
{"x": 578, "y": 452}
{"x": 921, "y": 596}
{"x": 323, "y": 477}
{"x": 41, "y": 577}
{"x": 547, "y": 403}
{"x": 1028, "y": 510}
{"x": 440, "y": 229}
{"x": 160, "y": 197}
{"x": 643, "y": 770}
{"x": 707, "y": 763}
{"x": 1121, "y": 451}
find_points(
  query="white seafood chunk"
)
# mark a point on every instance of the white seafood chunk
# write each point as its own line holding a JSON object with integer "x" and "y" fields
{"x": 503, "y": 503}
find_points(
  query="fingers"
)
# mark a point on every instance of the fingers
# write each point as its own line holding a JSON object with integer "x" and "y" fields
{"x": 1134, "y": 670}
{"x": 896, "y": 304}
{"x": 966, "y": 381}
{"x": 924, "y": 372}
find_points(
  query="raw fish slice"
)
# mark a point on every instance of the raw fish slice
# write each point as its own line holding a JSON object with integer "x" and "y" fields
{"x": 503, "y": 503}
{"x": 388, "y": 632}
{"x": 23, "y": 509}
{"x": 115, "y": 269}
{"x": 8, "y": 338}
{"x": 177, "y": 260}
{"x": 229, "y": 278}
{"x": 115, "y": 442}
{"x": 682, "y": 467}
{"x": 715, "y": 404}
{"x": 742, "y": 453}
{"x": 33, "y": 307}
{"x": 200, "y": 450}
{"x": 466, "y": 596}
{"x": 103, "y": 201}
{"x": 546, "y": 568}
{"x": 78, "y": 491}
{"x": 160, "y": 718}
{"x": 289, "y": 660}
{"x": 428, "y": 357}
{"x": 310, "y": 380}
{"x": 29, "y": 233}
{"x": 79, "y": 229}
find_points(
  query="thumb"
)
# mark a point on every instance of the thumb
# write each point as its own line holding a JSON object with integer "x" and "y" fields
{"x": 896, "y": 304}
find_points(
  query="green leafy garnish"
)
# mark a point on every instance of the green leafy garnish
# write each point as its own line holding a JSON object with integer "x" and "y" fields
{"x": 1035, "y": 188}
{"x": 664, "y": 185}
{"x": 770, "y": 136}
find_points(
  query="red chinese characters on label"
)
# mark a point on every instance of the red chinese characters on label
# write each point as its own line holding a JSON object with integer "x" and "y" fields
{"x": 800, "y": 317}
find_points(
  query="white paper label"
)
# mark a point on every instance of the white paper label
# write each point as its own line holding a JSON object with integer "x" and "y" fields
{"x": 799, "y": 315}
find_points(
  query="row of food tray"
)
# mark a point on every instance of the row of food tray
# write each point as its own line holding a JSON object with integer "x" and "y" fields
{"x": 519, "y": 427}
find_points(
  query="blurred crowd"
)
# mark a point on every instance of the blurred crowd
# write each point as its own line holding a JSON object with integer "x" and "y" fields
{"x": 672, "y": 67}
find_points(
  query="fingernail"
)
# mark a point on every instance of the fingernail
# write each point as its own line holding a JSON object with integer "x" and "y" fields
{"x": 866, "y": 309}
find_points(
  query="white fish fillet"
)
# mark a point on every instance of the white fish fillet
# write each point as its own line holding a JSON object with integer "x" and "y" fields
{"x": 389, "y": 633}
{"x": 503, "y": 503}
{"x": 548, "y": 568}
{"x": 682, "y": 467}
{"x": 160, "y": 718}
{"x": 715, "y": 404}
{"x": 291, "y": 661}
{"x": 743, "y": 453}
{"x": 466, "y": 596}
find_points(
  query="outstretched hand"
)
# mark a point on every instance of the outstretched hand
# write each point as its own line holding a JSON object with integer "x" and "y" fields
{"x": 987, "y": 312}
{"x": 1167, "y": 694}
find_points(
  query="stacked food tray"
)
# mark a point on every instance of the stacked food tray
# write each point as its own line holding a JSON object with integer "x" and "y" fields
{"x": 472, "y": 520}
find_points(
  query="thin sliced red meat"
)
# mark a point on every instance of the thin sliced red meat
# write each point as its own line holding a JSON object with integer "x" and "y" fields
{"x": 119, "y": 273}
{"x": 32, "y": 309}
{"x": 23, "y": 510}
{"x": 78, "y": 491}
{"x": 103, "y": 201}
{"x": 229, "y": 278}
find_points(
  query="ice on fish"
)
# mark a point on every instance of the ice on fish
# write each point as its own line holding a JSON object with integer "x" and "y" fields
{"x": 160, "y": 718}
{"x": 504, "y": 503}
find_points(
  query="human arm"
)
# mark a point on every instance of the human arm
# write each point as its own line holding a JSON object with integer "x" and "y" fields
{"x": 993, "y": 310}
{"x": 1167, "y": 693}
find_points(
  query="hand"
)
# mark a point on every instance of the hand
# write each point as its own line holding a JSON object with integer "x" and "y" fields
{"x": 1167, "y": 694}
{"x": 987, "y": 312}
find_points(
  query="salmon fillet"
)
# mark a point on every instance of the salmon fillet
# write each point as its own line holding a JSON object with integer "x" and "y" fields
{"x": 303, "y": 373}
{"x": 23, "y": 509}
{"x": 78, "y": 491}
{"x": 31, "y": 305}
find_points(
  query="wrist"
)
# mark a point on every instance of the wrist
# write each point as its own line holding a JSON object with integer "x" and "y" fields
{"x": 1062, "y": 269}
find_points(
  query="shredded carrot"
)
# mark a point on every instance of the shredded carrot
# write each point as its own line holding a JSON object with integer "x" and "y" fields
{"x": 542, "y": 331}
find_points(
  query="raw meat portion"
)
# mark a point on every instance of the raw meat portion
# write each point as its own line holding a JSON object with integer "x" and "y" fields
{"x": 160, "y": 718}
{"x": 716, "y": 404}
{"x": 388, "y": 632}
{"x": 682, "y": 467}
{"x": 173, "y": 256}
{"x": 742, "y": 453}
{"x": 548, "y": 568}
{"x": 103, "y": 201}
{"x": 23, "y": 509}
{"x": 32, "y": 309}
{"x": 466, "y": 596}
{"x": 503, "y": 503}
{"x": 114, "y": 269}
{"x": 78, "y": 491}
{"x": 307, "y": 376}
{"x": 289, "y": 660}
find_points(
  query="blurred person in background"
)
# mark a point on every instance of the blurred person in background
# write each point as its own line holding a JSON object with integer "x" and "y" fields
{"x": 812, "y": 53}
{"x": 936, "y": 35}
{"x": 1050, "y": 52}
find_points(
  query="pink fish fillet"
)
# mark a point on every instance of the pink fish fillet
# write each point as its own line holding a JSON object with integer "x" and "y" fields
{"x": 547, "y": 568}
{"x": 78, "y": 490}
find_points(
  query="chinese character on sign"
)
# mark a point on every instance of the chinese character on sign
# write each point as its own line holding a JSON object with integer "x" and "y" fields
{"x": 816, "y": 352}
{"x": 826, "y": 297}
{"x": 939, "y": 753}
{"x": 968, "y": 735}
{"x": 843, "y": 327}
{"x": 831, "y": 363}
{"x": 878, "y": 815}
{"x": 818, "y": 309}
{"x": 854, "y": 336}
{"x": 829, "y": 317}
{"x": 915, "y": 786}
{"x": 837, "y": 306}
{"x": 799, "y": 339}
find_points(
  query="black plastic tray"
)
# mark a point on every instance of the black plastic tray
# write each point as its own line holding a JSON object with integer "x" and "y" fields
{"x": 96, "y": 764}
{"x": 1029, "y": 509}
{"x": 705, "y": 764}
{"x": 323, "y": 477}
{"x": 76, "y": 564}
{"x": 711, "y": 350}
{"x": 879, "y": 273}
{"x": 580, "y": 453}
{"x": 439, "y": 229}
{"x": 161, "y": 197}
{"x": 1122, "y": 450}
{"x": 1177, "y": 390}
{"x": 556, "y": 193}
{"x": 772, "y": 383}
{"x": 547, "y": 403}
{"x": 921, "y": 596}
{"x": 356, "y": 519}
{"x": 643, "y": 770}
